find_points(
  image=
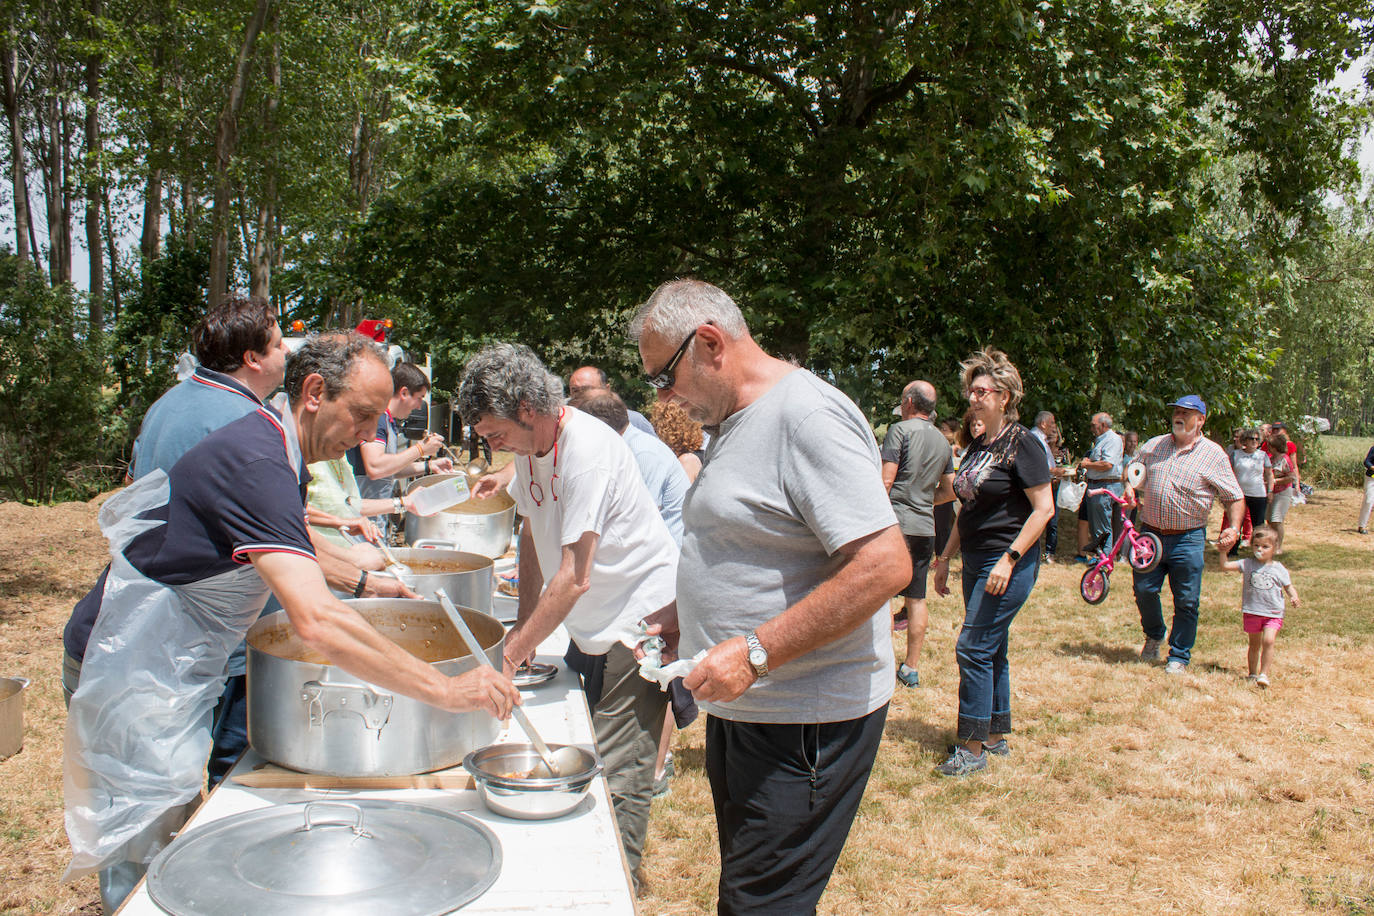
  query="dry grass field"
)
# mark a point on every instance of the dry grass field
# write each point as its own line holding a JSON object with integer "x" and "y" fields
{"x": 1125, "y": 792}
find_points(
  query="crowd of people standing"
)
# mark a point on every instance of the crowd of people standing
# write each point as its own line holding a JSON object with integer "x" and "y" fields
{"x": 714, "y": 523}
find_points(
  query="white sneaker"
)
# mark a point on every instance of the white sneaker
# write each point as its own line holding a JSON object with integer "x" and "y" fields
{"x": 1261, "y": 680}
{"x": 1150, "y": 651}
{"x": 1175, "y": 667}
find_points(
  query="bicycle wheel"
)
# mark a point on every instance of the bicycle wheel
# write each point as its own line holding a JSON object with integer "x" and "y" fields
{"x": 1145, "y": 551}
{"x": 1094, "y": 585}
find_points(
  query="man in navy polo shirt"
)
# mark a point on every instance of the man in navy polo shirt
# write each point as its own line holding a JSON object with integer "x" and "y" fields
{"x": 242, "y": 357}
{"x": 194, "y": 555}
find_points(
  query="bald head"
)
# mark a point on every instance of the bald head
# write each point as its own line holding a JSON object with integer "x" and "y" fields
{"x": 587, "y": 378}
{"x": 918, "y": 399}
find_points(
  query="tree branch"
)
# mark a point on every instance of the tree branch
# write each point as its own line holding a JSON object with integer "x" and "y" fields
{"x": 790, "y": 92}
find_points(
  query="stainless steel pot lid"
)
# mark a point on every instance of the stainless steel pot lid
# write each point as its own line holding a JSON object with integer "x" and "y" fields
{"x": 326, "y": 857}
{"x": 533, "y": 674}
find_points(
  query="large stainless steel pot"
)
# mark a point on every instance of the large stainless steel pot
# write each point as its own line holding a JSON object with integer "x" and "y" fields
{"x": 480, "y": 526}
{"x": 307, "y": 714}
{"x": 466, "y": 577}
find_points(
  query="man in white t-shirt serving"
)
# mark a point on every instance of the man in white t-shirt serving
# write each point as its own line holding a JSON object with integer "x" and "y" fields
{"x": 595, "y": 556}
{"x": 790, "y": 552}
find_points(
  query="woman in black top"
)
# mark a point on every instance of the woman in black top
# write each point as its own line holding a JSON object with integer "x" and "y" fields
{"x": 1003, "y": 485}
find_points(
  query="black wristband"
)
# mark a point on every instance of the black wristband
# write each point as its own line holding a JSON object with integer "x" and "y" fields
{"x": 426, "y": 465}
{"x": 362, "y": 581}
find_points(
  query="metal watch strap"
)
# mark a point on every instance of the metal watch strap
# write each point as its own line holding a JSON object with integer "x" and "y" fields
{"x": 397, "y": 506}
{"x": 752, "y": 643}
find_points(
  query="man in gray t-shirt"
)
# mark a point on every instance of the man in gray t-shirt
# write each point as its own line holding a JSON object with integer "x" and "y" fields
{"x": 790, "y": 550}
{"x": 918, "y": 471}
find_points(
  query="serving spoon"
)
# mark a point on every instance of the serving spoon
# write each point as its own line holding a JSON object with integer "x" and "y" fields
{"x": 393, "y": 565}
{"x": 552, "y": 761}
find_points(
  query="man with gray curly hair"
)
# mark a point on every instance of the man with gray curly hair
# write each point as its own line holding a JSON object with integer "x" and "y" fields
{"x": 784, "y": 577}
{"x": 595, "y": 556}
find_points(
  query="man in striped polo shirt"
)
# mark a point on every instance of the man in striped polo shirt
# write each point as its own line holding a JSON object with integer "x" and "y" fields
{"x": 1184, "y": 472}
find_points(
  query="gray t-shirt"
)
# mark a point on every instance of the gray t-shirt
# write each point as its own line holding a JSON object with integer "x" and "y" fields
{"x": 922, "y": 456}
{"x": 788, "y": 481}
{"x": 1262, "y": 589}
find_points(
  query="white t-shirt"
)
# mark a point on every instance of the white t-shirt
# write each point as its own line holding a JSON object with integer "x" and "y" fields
{"x": 1250, "y": 470}
{"x": 598, "y": 488}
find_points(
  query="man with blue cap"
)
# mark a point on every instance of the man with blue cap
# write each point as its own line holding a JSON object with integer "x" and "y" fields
{"x": 1184, "y": 473}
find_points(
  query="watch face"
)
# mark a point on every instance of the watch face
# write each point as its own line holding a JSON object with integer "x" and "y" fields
{"x": 758, "y": 658}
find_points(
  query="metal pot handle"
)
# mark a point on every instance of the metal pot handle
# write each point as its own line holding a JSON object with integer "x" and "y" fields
{"x": 322, "y": 698}
{"x": 23, "y": 683}
{"x": 436, "y": 542}
{"x": 357, "y": 810}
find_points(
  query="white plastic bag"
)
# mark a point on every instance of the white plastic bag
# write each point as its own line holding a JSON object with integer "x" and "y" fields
{"x": 1071, "y": 494}
{"x": 138, "y": 730}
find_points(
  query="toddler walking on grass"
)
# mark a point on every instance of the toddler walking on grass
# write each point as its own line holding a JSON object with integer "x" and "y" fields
{"x": 1264, "y": 583}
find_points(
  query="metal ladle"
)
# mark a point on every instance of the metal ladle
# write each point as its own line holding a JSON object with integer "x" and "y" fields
{"x": 552, "y": 761}
{"x": 393, "y": 565}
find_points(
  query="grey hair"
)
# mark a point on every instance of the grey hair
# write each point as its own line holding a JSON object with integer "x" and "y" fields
{"x": 996, "y": 366}
{"x": 502, "y": 378}
{"x": 678, "y": 307}
{"x": 1043, "y": 415}
{"x": 916, "y": 394}
{"x": 330, "y": 355}
{"x": 1104, "y": 418}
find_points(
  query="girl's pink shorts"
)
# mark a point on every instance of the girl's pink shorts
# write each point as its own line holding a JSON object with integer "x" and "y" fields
{"x": 1254, "y": 623}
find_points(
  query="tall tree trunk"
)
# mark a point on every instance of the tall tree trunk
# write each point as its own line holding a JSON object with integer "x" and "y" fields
{"x": 151, "y": 240}
{"x": 68, "y": 191}
{"x": 13, "y": 84}
{"x": 226, "y": 141}
{"x": 264, "y": 249}
{"x": 112, "y": 250}
{"x": 94, "y": 183}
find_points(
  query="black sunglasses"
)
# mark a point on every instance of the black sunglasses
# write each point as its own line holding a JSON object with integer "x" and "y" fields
{"x": 663, "y": 378}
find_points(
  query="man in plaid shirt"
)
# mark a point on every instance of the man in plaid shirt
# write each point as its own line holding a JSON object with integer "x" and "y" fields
{"x": 1184, "y": 472}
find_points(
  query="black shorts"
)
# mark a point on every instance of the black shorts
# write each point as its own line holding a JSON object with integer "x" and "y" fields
{"x": 922, "y": 549}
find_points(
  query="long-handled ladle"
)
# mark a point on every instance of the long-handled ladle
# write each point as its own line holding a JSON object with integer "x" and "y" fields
{"x": 476, "y": 649}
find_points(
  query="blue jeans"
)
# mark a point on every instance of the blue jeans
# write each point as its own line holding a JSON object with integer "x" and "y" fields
{"x": 1100, "y": 511}
{"x": 984, "y": 681}
{"x": 1181, "y": 562}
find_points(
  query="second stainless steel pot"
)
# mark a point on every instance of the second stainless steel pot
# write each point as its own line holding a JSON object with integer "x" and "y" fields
{"x": 480, "y": 526}
{"x": 466, "y": 577}
{"x": 307, "y": 714}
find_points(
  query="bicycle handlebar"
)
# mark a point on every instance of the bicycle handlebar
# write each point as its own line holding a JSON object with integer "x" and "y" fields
{"x": 1119, "y": 501}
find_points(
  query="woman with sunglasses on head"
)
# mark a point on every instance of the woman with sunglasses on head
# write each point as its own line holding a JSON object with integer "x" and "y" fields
{"x": 1003, "y": 485}
{"x": 1255, "y": 474}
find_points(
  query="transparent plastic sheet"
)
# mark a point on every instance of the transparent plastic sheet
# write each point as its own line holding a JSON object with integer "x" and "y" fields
{"x": 138, "y": 730}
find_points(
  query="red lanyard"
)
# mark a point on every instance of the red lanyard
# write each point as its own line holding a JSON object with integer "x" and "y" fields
{"x": 538, "y": 496}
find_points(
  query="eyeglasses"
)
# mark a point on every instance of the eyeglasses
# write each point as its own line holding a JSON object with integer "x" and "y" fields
{"x": 980, "y": 392}
{"x": 663, "y": 378}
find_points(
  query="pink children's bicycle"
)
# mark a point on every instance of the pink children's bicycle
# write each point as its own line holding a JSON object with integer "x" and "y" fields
{"x": 1143, "y": 554}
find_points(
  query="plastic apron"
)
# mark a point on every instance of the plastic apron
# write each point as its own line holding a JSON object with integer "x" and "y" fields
{"x": 138, "y": 729}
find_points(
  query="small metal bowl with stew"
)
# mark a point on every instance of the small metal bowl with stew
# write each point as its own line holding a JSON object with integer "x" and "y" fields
{"x": 502, "y": 773}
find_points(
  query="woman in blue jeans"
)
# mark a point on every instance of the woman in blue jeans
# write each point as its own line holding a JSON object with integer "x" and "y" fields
{"x": 1003, "y": 486}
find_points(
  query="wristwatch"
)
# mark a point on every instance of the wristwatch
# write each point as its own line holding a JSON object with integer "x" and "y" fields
{"x": 1014, "y": 554}
{"x": 397, "y": 506}
{"x": 362, "y": 581}
{"x": 758, "y": 655}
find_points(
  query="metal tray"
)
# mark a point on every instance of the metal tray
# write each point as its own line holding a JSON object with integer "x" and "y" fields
{"x": 537, "y": 673}
{"x": 331, "y": 858}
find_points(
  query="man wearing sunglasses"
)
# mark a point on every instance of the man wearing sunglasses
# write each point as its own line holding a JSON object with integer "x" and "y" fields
{"x": 790, "y": 552}
{"x": 595, "y": 556}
